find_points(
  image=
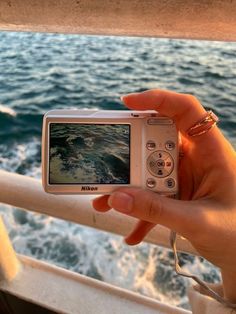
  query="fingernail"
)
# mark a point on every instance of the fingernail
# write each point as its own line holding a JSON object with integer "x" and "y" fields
{"x": 122, "y": 98}
{"x": 121, "y": 201}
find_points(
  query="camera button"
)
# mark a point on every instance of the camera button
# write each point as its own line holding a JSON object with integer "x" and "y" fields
{"x": 151, "y": 183}
{"x": 159, "y": 121}
{"x": 170, "y": 145}
{"x": 170, "y": 183}
{"x": 160, "y": 172}
{"x": 160, "y": 163}
{"x": 151, "y": 145}
{"x": 153, "y": 121}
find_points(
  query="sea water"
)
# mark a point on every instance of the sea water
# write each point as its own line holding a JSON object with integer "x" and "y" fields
{"x": 39, "y": 72}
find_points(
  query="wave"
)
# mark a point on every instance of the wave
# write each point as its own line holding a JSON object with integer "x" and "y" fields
{"x": 7, "y": 110}
{"x": 89, "y": 153}
{"x": 23, "y": 158}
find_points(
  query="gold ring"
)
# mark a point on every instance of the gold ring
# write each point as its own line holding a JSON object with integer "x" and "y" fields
{"x": 204, "y": 125}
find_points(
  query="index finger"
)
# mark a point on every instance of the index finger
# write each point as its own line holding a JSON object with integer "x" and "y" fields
{"x": 184, "y": 109}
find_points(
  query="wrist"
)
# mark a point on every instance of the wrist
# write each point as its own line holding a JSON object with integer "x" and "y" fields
{"x": 229, "y": 285}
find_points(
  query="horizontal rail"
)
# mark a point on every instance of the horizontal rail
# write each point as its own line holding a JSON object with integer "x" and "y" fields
{"x": 27, "y": 193}
{"x": 62, "y": 291}
{"x": 211, "y": 20}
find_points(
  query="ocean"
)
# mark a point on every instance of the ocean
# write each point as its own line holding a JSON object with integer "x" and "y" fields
{"x": 40, "y": 72}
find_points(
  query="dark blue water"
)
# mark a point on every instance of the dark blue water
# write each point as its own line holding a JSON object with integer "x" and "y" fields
{"x": 39, "y": 72}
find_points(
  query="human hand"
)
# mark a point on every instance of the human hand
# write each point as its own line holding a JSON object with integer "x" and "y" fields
{"x": 206, "y": 211}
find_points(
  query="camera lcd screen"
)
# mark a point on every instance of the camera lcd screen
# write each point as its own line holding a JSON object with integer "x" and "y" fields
{"x": 89, "y": 153}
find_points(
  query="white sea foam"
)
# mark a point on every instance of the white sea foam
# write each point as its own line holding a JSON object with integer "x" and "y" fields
{"x": 12, "y": 158}
{"x": 7, "y": 110}
{"x": 89, "y": 142}
{"x": 70, "y": 138}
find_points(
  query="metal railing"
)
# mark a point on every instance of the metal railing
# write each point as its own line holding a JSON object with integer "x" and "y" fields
{"x": 27, "y": 193}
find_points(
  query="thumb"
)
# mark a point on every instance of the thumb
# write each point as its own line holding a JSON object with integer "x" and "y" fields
{"x": 180, "y": 216}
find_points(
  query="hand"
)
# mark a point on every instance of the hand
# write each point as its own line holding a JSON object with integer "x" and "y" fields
{"x": 206, "y": 211}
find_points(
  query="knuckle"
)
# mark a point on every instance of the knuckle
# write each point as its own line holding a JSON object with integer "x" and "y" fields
{"x": 191, "y": 98}
{"x": 191, "y": 102}
{"x": 155, "y": 209}
{"x": 202, "y": 225}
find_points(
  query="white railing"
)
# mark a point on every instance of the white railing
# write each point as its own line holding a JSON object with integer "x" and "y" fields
{"x": 211, "y": 20}
{"x": 27, "y": 193}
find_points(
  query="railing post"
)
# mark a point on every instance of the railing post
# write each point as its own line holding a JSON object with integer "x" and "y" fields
{"x": 9, "y": 264}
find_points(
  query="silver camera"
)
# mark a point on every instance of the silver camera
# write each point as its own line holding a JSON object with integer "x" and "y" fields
{"x": 96, "y": 152}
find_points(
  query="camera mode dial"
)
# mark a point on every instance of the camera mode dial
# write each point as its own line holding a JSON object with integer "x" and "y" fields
{"x": 160, "y": 164}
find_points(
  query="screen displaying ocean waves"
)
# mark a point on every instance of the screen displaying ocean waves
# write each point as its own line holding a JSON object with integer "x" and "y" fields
{"x": 39, "y": 72}
{"x": 89, "y": 153}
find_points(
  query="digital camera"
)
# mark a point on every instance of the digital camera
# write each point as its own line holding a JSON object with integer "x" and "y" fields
{"x": 96, "y": 152}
